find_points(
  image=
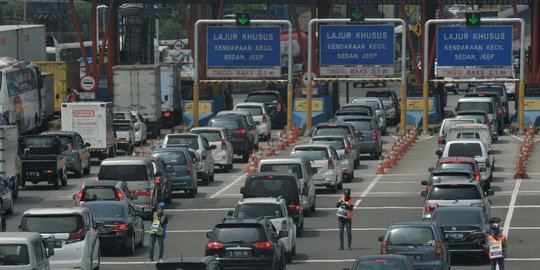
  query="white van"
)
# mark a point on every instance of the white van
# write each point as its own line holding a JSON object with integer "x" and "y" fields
{"x": 24, "y": 251}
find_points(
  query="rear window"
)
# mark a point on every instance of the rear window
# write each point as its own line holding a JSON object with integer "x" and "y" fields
{"x": 478, "y": 118}
{"x": 283, "y": 168}
{"x": 14, "y": 254}
{"x": 446, "y": 178}
{"x": 253, "y": 110}
{"x": 99, "y": 194}
{"x": 127, "y": 173}
{"x": 381, "y": 95}
{"x": 225, "y": 124}
{"x": 450, "y": 123}
{"x": 191, "y": 141}
{"x": 498, "y": 90}
{"x": 360, "y": 124}
{"x": 454, "y": 192}
{"x": 457, "y": 217}
{"x": 468, "y": 135}
{"x": 460, "y": 166}
{"x": 211, "y": 136}
{"x": 38, "y": 142}
{"x": 258, "y": 210}
{"x": 411, "y": 236}
{"x": 332, "y": 131}
{"x": 370, "y": 102}
{"x": 473, "y": 150}
{"x": 382, "y": 264}
{"x": 122, "y": 116}
{"x": 172, "y": 158}
{"x": 52, "y": 223}
{"x": 337, "y": 144}
{"x": 262, "y": 98}
{"x": 122, "y": 126}
{"x": 476, "y": 106}
{"x": 106, "y": 210}
{"x": 244, "y": 234}
{"x": 272, "y": 187}
{"x": 311, "y": 153}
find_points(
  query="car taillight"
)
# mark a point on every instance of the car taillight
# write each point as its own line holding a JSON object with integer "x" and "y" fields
{"x": 478, "y": 177}
{"x": 294, "y": 207}
{"x": 136, "y": 127}
{"x": 240, "y": 131}
{"x": 383, "y": 247}
{"x": 263, "y": 245}
{"x": 49, "y": 171}
{"x": 373, "y": 135}
{"x": 142, "y": 192}
{"x": 278, "y": 108}
{"x": 189, "y": 168}
{"x": 330, "y": 163}
{"x": 499, "y": 112}
{"x": 223, "y": 145}
{"x": 119, "y": 194}
{"x": 346, "y": 152}
{"x": 76, "y": 236}
{"x": 284, "y": 225}
{"x": 214, "y": 245}
{"x": 157, "y": 180}
{"x": 431, "y": 207}
{"x": 440, "y": 140}
{"x": 476, "y": 234}
{"x": 438, "y": 250}
{"x": 74, "y": 149}
{"x": 481, "y": 205}
{"x": 79, "y": 195}
{"x": 167, "y": 114}
{"x": 119, "y": 227}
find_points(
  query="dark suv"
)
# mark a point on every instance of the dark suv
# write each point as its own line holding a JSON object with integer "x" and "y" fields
{"x": 465, "y": 228}
{"x": 247, "y": 244}
{"x": 423, "y": 242}
{"x": 390, "y": 101}
{"x": 275, "y": 104}
{"x": 238, "y": 131}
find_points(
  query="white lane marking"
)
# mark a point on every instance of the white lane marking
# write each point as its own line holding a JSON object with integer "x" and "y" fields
{"x": 511, "y": 207}
{"x": 421, "y": 140}
{"x": 524, "y": 228}
{"x": 516, "y": 137}
{"x": 394, "y": 194}
{"x": 402, "y": 182}
{"x": 228, "y": 186}
{"x": 333, "y": 208}
{"x": 305, "y": 230}
{"x": 368, "y": 189}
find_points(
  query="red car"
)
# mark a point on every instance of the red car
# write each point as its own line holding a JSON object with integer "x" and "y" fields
{"x": 459, "y": 163}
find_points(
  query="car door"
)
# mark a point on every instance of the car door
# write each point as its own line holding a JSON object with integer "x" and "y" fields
{"x": 207, "y": 154}
{"x": 137, "y": 223}
{"x": 309, "y": 181}
{"x": 159, "y": 186}
{"x": 92, "y": 245}
{"x": 337, "y": 163}
{"x": 41, "y": 262}
{"x": 127, "y": 195}
{"x": 83, "y": 151}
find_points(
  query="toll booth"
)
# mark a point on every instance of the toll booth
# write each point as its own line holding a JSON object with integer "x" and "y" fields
{"x": 322, "y": 106}
{"x": 531, "y": 104}
{"x": 415, "y": 105}
{"x": 213, "y": 99}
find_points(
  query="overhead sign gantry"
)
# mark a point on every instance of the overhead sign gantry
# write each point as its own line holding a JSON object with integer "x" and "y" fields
{"x": 475, "y": 51}
{"x": 355, "y": 50}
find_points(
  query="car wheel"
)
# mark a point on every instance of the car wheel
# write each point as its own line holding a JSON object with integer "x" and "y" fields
{"x": 86, "y": 171}
{"x": 15, "y": 193}
{"x": 245, "y": 157}
{"x": 78, "y": 172}
{"x": 299, "y": 230}
{"x": 56, "y": 184}
{"x": 169, "y": 196}
{"x": 141, "y": 243}
{"x": 314, "y": 206}
{"x": 63, "y": 181}
{"x": 376, "y": 155}
{"x": 351, "y": 176}
{"x": 333, "y": 188}
{"x": 307, "y": 212}
{"x": 130, "y": 248}
{"x": 340, "y": 185}
{"x": 11, "y": 209}
{"x": 225, "y": 168}
{"x": 205, "y": 180}
{"x": 231, "y": 166}
{"x": 211, "y": 177}
{"x": 356, "y": 163}
{"x": 191, "y": 193}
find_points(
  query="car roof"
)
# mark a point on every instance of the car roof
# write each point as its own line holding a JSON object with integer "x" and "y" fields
{"x": 229, "y": 220}
{"x": 476, "y": 99}
{"x": 451, "y": 170}
{"x": 55, "y": 211}
{"x": 334, "y": 124}
{"x": 457, "y": 159}
{"x": 382, "y": 257}
{"x": 175, "y": 148}
{"x": 470, "y": 112}
{"x": 314, "y": 145}
{"x": 275, "y": 174}
{"x": 414, "y": 223}
{"x": 328, "y": 137}
{"x": 263, "y": 92}
{"x": 107, "y": 183}
{"x": 184, "y": 134}
{"x": 283, "y": 159}
{"x": 60, "y": 133}
{"x": 470, "y": 125}
{"x": 126, "y": 161}
{"x": 455, "y": 182}
{"x": 466, "y": 141}
{"x": 262, "y": 200}
{"x": 250, "y": 104}
{"x": 207, "y": 128}
{"x": 356, "y": 117}
{"x": 18, "y": 237}
{"x": 107, "y": 202}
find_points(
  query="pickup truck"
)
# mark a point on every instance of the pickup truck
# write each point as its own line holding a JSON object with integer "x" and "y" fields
{"x": 43, "y": 160}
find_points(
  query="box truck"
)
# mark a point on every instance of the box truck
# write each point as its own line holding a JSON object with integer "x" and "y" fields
{"x": 171, "y": 98}
{"x": 47, "y": 97}
{"x": 10, "y": 163}
{"x": 94, "y": 122}
{"x": 23, "y": 42}
{"x": 138, "y": 88}
{"x": 66, "y": 77}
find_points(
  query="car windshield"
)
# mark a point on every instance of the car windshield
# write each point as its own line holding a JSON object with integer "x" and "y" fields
{"x": 283, "y": 168}
{"x": 14, "y": 254}
{"x": 225, "y": 124}
{"x": 359, "y": 125}
{"x": 454, "y": 192}
{"x": 311, "y": 153}
{"x": 65, "y": 140}
{"x": 450, "y": 123}
{"x": 99, "y": 193}
{"x": 479, "y": 118}
{"x": 127, "y": 173}
{"x": 253, "y": 110}
{"x": 473, "y": 150}
{"x": 262, "y": 98}
{"x": 272, "y": 187}
{"x": 258, "y": 210}
{"x": 38, "y": 142}
{"x": 172, "y": 158}
{"x": 381, "y": 264}
{"x": 370, "y": 102}
{"x": 211, "y": 136}
{"x": 414, "y": 235}
{"x": 457, "y": 217}
{"x": 189, "y": 141}
{"x": 106, "y": 210}
{"x": 380, "y": 94}
{"x": 337, "y": 144}
{"x": 52, "y": 223}
{"x": 325, "y": 131}
{"x": 243, "y": 234}
{"x": 446, "y": 178}
{"x": 498, "y": 90}
{"x": 460, "y": 166}
{"x": 479, "y": 106}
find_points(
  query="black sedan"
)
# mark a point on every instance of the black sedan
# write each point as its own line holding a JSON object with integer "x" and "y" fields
{"x": 382, "y": 262}
{"x": 120, "y": 226}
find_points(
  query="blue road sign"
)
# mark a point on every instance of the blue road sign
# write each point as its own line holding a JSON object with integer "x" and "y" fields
{"x": 356, "y": 45}
{"x": 463, "y": 46}
{"x": 236, "y": 47}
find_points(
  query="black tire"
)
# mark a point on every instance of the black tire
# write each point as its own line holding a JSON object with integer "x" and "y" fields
{"x": 141, "y": 243}
{"x": 340, "y": 185}
{"x": 356, "y": 163}
{"x": 225, "y": 168}
{"x": 231, "y": 166}
{"x": 376, "y": 155}
{"x": 23, "y": 183}
{"x": 63, "y": 181}
{"x": 299, "y": 230}
{"x": 56, "y": 183}
{"x": 191, "y": 193}
{"x": 307, "y": 212}
{"x": 86, "y": 171}
{"x": 11, "y": 209}
{"x": 333, "y": 189}
{"x": 168, "y": 199}
{"x": 313, "y": 208}
{"x": 15, "y": 193}
{"x": 130, "y": 248}
{"x": 79, "y": 172}
{"x": 351, "y": 176}
{"x": 245, "y": 157}
{"x": 205, "y": 180}
{"x": 211, "y": 178}
{"x": 288, "y": 256}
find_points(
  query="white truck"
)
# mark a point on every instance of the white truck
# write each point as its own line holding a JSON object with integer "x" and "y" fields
{"x": 23, "y": 42}
{"x": 94, "y": 122}
{"x": 171, "y": 98}
{"x": 10, "y": 163}
{"x": 138, "y": 88}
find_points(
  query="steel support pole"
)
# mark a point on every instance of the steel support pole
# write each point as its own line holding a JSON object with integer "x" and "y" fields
{"x": 405, "y": 31}
{"x": 521, "y": 32}
{"x": 79, "y": 34}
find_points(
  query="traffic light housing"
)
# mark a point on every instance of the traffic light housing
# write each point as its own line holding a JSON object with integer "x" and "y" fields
{"x": 472, "y": 18}
{"x": 242, "y": 19}
{"x": 356, "y": 14}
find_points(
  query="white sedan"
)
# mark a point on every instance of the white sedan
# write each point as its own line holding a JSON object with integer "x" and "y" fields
{"x": 139, "y": 127}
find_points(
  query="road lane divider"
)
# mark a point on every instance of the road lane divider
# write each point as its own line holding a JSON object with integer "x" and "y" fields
{"x": 219, "y": 192}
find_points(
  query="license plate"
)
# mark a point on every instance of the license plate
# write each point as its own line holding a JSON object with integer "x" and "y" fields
{"x": 455, "y": 235}
{"x": 361, "y": 138}
{"x": 103, "y": 230}
{"x": 32, "y": 173}
{"x": 238, "y": 254}
{"x": 415, "y": 257}
{"x": 55, "y": 244}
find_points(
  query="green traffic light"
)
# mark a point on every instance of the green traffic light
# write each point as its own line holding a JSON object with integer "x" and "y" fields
{"x": 472, "y": 19}
{"x": 356, "y": 15}
{"x": 242, "y": 19}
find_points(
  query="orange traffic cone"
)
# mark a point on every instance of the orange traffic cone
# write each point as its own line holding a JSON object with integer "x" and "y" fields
{"x": 380, "y": 169}
{"x": 393, "y": 159}
{"x": 270, "y": 149}
{"x": 250, "y": 160}
{"x": 397, "y": 148}
{"x": 521, "y": 171}
{"x": 260, "y": 154}
{"x": 295, "y": 132}
{"x": 290, "y": 136}
{"x": 252, "y": 168}
{"x": 284, "y": 139}
{"x": 386, "y": 162}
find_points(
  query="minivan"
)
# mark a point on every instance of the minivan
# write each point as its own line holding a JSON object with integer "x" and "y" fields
{"x": 485, "y": 104}
{"x": 24, "y": 251}
{"x": 301, "y": 166}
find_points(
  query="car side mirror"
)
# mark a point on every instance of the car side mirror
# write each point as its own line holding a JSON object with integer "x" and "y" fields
{"x": 305, "y": 191}
{"x": 242, "y": 190}
{"x": 134, "y": 196}
{"x": 313, "y": 171}
{"x": 495, "y": 220}
{"x": 490, "y": 192}
{"x": 438, "y": 153}
{"x": 423, "y": 193}
{"x": 490, "y": 152}
{"x": 257, "y": 122}
{"x": 158, "y": 174}
{"x": 87, "y": 144}
{"x": 74, "y": 196}
{"x": 381, "y": 238}
{"x": 213, "y": 147}
{"x": 424, "y": 183}
{"x": 50, "y": 252}
{"x": 483, "y": 169}
{"x": 230, "y": 213}
{"x": 430, "y": 169}
{"x": 283, "y": 234}
{"x": 208, "y": 234}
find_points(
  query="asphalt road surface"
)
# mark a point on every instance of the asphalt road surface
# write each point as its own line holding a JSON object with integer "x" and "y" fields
{"x": 380, "y": 199}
